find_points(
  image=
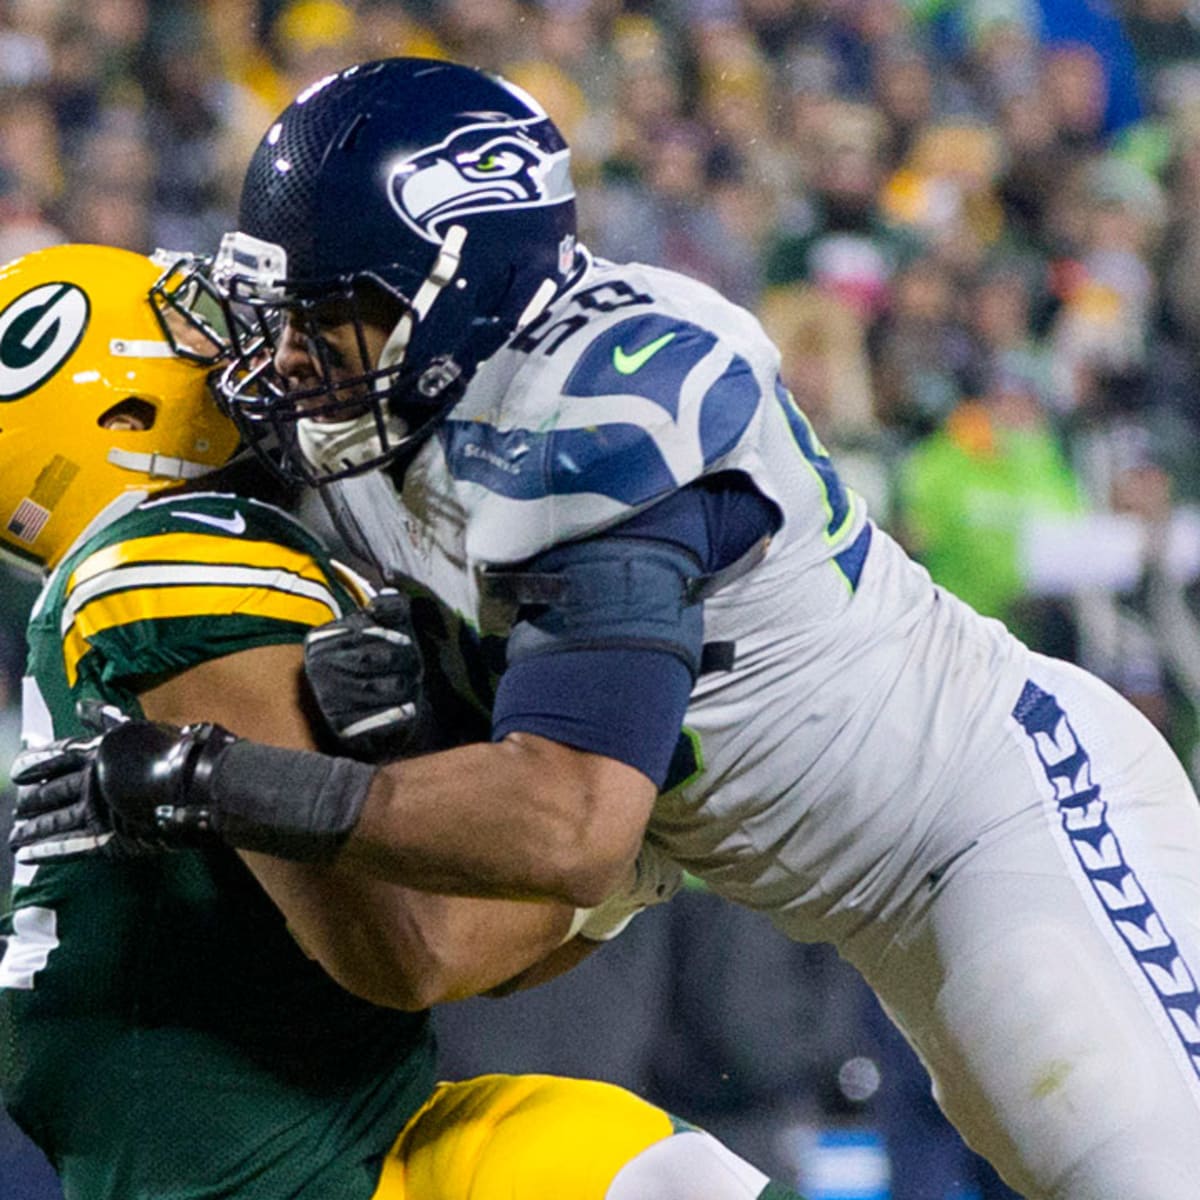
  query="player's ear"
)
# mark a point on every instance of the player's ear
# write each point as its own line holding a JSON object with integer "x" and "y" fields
{"x": 130, "y": 416}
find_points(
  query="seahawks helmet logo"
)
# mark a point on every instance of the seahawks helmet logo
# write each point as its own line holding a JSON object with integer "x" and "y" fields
{"x": 482, "y": 168}
{"x": 38, "y": 332}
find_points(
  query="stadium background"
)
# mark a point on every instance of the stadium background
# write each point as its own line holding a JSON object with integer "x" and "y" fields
{"x": 971, "y": 227}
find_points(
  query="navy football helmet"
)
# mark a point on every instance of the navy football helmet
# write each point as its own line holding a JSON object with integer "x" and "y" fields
{"x": 426, "y": 197}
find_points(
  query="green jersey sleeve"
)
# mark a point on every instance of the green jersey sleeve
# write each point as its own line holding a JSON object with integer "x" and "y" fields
{"x": 173, "y": 584}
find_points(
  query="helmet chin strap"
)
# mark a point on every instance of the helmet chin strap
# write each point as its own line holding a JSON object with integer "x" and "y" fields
{"x": 444, "y": 269}
{"x": 335, "y": 445}
{"x": 546, "y": 292}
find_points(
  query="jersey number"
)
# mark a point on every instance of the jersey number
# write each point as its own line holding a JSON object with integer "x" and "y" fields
{"x": 34, "y": 938}
{"x": 600, "y": 297}
{"x": 34, "y": 929}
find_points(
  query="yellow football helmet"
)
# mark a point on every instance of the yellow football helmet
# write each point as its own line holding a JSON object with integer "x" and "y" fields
{"x": 103, "y": 391}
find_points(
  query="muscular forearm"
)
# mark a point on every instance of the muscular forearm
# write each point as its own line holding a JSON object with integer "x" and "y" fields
{"x": 524, "y": 817}
{"x": 390, "y": 944}
{"x": 558, "y": 962}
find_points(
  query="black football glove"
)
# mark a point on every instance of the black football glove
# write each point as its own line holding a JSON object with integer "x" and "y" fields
{"x": 137, "y": 789}
{"x": 144, "y": 786}
{"x": 366, "y": 676}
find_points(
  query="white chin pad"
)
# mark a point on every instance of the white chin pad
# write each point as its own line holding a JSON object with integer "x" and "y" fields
{"x": 330, "y": 446}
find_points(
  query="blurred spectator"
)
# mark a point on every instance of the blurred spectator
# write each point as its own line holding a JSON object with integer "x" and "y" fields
{"x": 777, "y": 25}
{"x": 920, "y": 350}
{"x": 23, "y": 228}
{"x": 191, "y": 188}
{"x": 117, "y": 30}
{"x": 649, "y": 96}
{"x": 945, "y": 193}
{"x": 110, "y": 188}
{"x": 811, "y": 97}
{"x": 312, "y": 39}
{"x": 825, "y": 365}
{"x": 485, "y": 35}
{"x": 968, "y": 490}
{"x": 824, "y": 362}
{"x": 1140, "y": 633}
{"x": 386, "y": 28}
{"x": 670, "y": 217}
{"x": 25, "y": 53}
{"x": 902, "y": 85}
{"x": 845, "y": 246}
{"x": 1074, "y": 85}
{"x": 1179, "y": 272}
{"x": 856, "y": 34}
{"x": 1108, "y": 291}
{"x": 1033, "y": 175}
{"x": 1002, "y": 48}
{"x": 1093, "y": 60}
{"x": 1001, "y": 303}
{"x": 734, "y": 93}
{"x": 29, "y": 147}
{"x": 1163, "y": 34}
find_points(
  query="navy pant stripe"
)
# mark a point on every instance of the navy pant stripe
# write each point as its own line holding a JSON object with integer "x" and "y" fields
{"x": 1084, "y": 816}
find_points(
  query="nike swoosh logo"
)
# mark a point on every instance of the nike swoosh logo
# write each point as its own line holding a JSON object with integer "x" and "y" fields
{"x": 235, "y": 524}
{"x": 626, "y": 363}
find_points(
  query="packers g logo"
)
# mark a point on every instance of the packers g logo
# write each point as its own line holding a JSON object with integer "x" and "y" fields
{"x": 38, "y": 332}
{"x": 482, "y": 168}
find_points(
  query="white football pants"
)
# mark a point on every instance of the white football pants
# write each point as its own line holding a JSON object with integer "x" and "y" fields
{"x": 1048, "y": 979}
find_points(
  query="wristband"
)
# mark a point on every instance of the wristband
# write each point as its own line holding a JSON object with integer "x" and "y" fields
{"x": 294, "y": 804}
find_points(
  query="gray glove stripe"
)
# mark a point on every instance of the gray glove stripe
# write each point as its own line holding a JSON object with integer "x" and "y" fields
{"x": 401, "y": 712}
{"x": 80, "y": 844}
{"x": 324, "y": 634}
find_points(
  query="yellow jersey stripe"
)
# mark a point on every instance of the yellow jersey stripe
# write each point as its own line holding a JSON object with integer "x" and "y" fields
{"x": 195, "y": 548}
{"x": 111, "y": 609}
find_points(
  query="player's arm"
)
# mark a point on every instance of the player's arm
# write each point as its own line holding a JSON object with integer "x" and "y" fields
{"x": 525, "y": 816}
{"x": 385, "y": 942}
{"x": 586, "y": 720}
{"x": 601, "y": 665}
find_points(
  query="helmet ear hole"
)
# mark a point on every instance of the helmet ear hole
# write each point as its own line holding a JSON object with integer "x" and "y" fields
{"x": 131, "y": 413}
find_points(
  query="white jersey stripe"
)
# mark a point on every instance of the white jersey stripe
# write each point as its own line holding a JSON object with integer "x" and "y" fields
{"x": 174, "y": 574}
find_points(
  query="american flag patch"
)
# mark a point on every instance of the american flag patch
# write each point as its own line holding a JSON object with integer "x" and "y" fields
{"x": 28, "y": 521}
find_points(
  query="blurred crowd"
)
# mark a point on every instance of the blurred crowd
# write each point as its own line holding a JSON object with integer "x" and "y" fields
{"x": 970, "y": 226}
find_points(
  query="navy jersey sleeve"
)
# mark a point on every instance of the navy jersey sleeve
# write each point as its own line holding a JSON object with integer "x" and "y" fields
{"x": 609, "y": 667}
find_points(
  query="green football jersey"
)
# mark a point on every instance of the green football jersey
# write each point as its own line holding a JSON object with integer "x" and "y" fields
{"x": 162, "y": 1036}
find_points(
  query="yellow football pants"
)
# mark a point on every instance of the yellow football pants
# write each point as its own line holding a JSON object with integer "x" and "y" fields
{"x": 519, "y": 1137}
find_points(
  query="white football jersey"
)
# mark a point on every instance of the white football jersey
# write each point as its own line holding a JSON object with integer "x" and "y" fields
{"x": 857, "y": 686}
{"x": 1005, "y": 848}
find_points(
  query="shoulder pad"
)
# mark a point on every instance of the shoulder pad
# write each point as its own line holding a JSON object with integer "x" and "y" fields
{"x": 237, "y": 570}
{"x": 649, "y": 404}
